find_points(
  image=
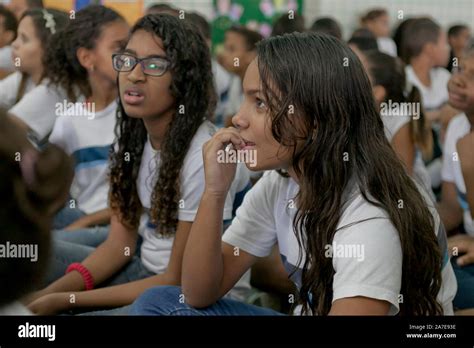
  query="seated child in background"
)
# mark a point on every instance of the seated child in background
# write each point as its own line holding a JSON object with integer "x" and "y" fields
{"x": 457, "y": 199}
{"x": 401, "y": 112}
{"x": 426, "y": 49}
{"x": 362, "y": 40}
{"x": 36, "y": 184}
{"x": 239, "y": 51}
{"x": 8, "y": 31}
{"x": 35, "y": 32}
{"x": 378, "y": 22}
{"x": 85, "y": 130}
{"x": 458, "y": 39}
{"x": 328, "y": 26}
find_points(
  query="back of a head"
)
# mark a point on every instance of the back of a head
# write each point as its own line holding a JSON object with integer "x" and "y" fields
{"x": 201, "y": 23}
{"x": 34, "y": 4}
{"x": 373, "y": 15}
{"x": 417, "y": 34}
{"x": 10, "y": 22}
{"x": 364, "y": 40}
{"x": 162, "y": 8}
{"x": 286, "y": 24}
{"x": 455, "y": 30}
{"x": 251, "y": 37}
{"x": 328, "y": 26}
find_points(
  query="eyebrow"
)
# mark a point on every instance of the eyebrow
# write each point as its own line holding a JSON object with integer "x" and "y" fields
{"x": 252, "y": 91}
{"x": 132, "y": 52}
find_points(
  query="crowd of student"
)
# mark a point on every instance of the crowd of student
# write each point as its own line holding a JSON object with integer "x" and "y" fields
{"x": 109, "y": 147}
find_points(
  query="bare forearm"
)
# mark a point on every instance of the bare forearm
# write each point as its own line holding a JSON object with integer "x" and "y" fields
{"x": 106, "y": 260}
{"x": 451, "y": 216}
{"x": 202, "y": 262}
{"x": 119, "y": 295}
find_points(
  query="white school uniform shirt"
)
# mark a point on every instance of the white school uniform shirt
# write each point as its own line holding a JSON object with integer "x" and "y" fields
{"x": 435, "y": 96}
{"x": 156, "y": 249}
{"x": 387, "y": 45}
{"x": 9, "y": 87}
{"x": 38, "y": 108}
{"x": 88, "y": 137}
{"x": 458, "y": 127}
{"x": 266, "y": 217}
{"x": 392, "y": 124}
{"x": 14, "y": 308}
{"x": 6, "y": 61}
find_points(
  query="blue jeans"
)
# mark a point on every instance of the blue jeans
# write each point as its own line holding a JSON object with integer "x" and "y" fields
{"x": 168, "y": 300}
{"x": 69, "y": 251}
{"x": 66, "y": 216}
{"x": 465, "y": 278}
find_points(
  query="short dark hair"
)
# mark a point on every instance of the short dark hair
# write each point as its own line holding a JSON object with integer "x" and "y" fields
{"x": 373, "y": 14}
{"x": 34, "y": 3}
{"x": 417, "y": 34}
{"x": 251, "y": 37}
{"x": 284, "y": 24}
{"x": 162, "y": 8}
{"x": 201, "y": 23}
{"x": 364, "y": 43}
{"x": 455, "y": 30}
{"x": 10, "y": 23}
{"x": 328, "y": 26}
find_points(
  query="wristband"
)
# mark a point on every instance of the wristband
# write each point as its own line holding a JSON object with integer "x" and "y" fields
{"x": 86, "y": 275}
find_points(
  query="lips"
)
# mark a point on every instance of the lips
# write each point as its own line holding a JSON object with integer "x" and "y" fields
{"x": 247, "y": 144}
{"x": 133, "y": 96}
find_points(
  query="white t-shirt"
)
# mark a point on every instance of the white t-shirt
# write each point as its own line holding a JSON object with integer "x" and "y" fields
{"x": 9, "y": 87}
{"x": 387, "y": 45}
{"x": 15, "y": 308}
{"x": 87, "y": 136}
{"x": 6, "y": 61}
{"x": 371, "y": 268}
{"x": 236, "y": 97}
{"x": 38, "y": 108}
{"x": 392, "y": 124}
{"x": 436, "y": 95}
{"x": 155, "y": 249}
{"x": 222, "y": 80}
{"x": 451, "y": 172}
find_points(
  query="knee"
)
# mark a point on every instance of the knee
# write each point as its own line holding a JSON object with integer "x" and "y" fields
{"x": 157, "y": 300}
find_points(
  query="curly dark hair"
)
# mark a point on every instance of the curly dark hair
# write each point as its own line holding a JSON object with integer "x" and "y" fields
{"x": 193, "y": 90}
{"x": 61, "y": 64}
{"x": 337, "y": 108}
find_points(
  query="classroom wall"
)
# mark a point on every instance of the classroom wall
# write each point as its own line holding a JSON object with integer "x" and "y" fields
{"x": 446, "y": 12}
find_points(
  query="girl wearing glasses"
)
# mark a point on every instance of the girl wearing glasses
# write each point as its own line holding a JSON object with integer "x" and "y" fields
{"x": 156, "y": 176}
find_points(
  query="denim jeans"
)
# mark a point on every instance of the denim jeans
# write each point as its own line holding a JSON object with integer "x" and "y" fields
{"x": 75, "y": 246}
{"x": 66, "y": 216}
{"x": 168, "y": 300}
{"x": 465, "y": 277}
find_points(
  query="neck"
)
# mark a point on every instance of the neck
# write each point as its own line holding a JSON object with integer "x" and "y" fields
{"x": 292, "y": 174}
{"x": 157, "y": 127}
{"x": 422, "y": 66}
{"x": 470, "y": 117}
{"x": 103, "y": 93}
{"x": 36, "y": 77}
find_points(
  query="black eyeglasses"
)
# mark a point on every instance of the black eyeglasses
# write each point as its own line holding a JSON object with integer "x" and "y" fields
{"x": 153, "y": 66}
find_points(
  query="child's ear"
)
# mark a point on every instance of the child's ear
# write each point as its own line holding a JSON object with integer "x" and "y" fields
{"x": 85, "y": 58}
{"x": 379, "y": 93}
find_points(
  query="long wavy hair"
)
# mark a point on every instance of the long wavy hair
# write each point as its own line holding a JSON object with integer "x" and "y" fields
{"x": 332, "y": 99}
{"x": 193, "y": 90}
{"x": 61, "y": 64}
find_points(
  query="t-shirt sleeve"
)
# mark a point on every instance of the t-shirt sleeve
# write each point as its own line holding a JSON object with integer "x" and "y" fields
{"x": 8, "y": 90}
{"x": 253, "y": 229}
{"x": 449, "y": 153}
{"x": 58, "y": 135}
{"x": 371, "y": 262}
{"x": 193, "y": 183}
{"x": 392, "y": 124}
{"x": 38, "y": 109}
